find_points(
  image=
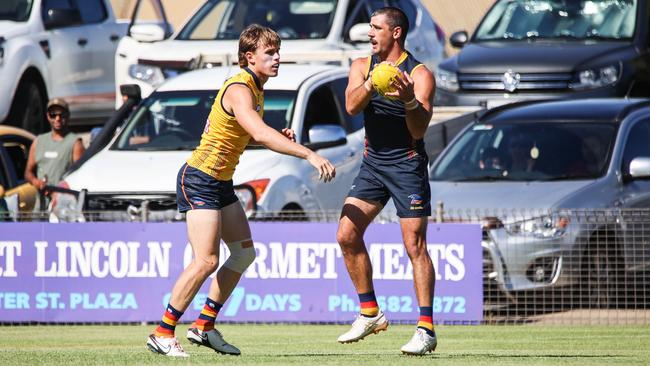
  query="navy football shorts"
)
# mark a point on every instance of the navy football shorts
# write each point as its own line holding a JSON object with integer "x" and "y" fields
{"x": 197, "y": 190}
{"x": 406, "y": 182}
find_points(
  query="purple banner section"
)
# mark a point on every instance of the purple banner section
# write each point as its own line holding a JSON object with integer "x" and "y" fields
{"x": 124, "y": 272}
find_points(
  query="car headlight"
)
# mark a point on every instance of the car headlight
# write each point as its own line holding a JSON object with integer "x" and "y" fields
{"x": 65, "y": 208}
{"x": 247, "y": 199}
{"x": 152, "y": 75}
{"x": 446, "y": 80}
{"x": 549, "y": 226}
{"x": 251, "y": 192}
{"x": 596, "y": 78}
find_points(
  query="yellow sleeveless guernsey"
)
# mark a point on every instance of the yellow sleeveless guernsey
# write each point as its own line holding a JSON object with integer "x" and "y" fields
{"x": 223, "y": 139}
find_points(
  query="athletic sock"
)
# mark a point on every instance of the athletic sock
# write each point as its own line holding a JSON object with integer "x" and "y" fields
{"x": 168, "y": 322}
{"x": 426, "y": 320}
{"x": 205, "y": 321}
{"x": 369, "y": 307}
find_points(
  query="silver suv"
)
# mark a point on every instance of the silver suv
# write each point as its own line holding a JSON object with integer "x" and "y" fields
{"x": 558, "y": 186}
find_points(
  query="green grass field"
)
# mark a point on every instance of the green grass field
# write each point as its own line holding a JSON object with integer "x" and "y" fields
{"x": 316, "y": 345}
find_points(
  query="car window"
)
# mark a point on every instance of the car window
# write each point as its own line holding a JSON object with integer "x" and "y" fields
{"x": 353, "y": 123}
{"x": 566, "y": 19}
{"x": 278, "y": 108}
{"x": 17, "y": 149}
{"x": 167, "y": 121}
{"x": 358, "y": 12}
{"x": 636, "y": 144}
{"x": 92, "y": 11}
{"x": 322, "y": 109}
{"x": 292, "y": 19}
{"x": 175, "y": 120}
{"x": 15, "y": 10}
{"x": 528, "y": 151}
{"x": 5, "y": 165}
{"x": 58, "y": 4}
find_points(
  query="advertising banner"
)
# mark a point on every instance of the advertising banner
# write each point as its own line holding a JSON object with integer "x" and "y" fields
{"x": 124, "y": 272}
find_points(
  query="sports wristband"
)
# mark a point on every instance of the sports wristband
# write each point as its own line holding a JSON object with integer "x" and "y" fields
{"x": 366, "y": 86}
{"x": 411, "y": 104}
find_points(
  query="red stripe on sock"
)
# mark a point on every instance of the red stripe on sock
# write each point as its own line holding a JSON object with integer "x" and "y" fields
{"x": 163, "y": 332}
{"x": 427, "y": 319}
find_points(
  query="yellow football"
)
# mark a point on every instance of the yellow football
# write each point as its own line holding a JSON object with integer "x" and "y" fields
{"x": 382, "y": 78}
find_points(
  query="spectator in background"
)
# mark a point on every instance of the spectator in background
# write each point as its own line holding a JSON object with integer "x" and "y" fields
{"x": 523, "y": 153}
{"x": 490, "y": 159}
{"x": 53, "y": 152}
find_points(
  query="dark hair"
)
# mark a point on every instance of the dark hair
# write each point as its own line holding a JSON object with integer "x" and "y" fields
{"x": 255, "y": 36}
{"x": 395, "y": 17}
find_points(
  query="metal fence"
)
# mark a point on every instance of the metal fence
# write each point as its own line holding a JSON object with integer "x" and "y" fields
{"x": 583, "y": 266}
{"x": 561, "y": 266}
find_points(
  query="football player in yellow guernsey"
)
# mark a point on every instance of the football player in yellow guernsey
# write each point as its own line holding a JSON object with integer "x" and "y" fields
{"x": 205, "y": 192}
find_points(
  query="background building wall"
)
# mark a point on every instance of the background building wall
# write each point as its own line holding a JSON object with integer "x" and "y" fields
{"x": 451, "y": 15}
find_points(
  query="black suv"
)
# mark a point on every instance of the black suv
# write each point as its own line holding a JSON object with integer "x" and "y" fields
{"x": 525, "y": 49}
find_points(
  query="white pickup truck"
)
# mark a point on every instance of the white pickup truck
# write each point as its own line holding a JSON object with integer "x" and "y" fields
{"x": 53, "y": 48}
{"x": 313, "y": 31}
{"x": 134, "y": 176}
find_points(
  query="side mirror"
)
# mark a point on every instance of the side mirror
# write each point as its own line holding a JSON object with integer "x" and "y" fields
{"x": 323, "y": 136}
{"x": 59, "y": 18}
{"x": 459, "y": 39}
{"x": 359, "y": 33}
{"x": 640, "y": 168}
{"x": 131, "y": 91}
{"x": 147, "y": 32}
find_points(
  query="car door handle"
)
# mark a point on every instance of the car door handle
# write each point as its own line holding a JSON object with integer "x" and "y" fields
{"x": 114, "y": 37}
{"x": 82, "y": 42}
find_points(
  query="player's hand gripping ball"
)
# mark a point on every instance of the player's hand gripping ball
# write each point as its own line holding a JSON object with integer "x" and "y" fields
{"x": 383, "y": 76}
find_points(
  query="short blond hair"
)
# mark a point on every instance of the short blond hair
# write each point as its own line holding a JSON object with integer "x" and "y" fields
{"x": 255, "y": 36}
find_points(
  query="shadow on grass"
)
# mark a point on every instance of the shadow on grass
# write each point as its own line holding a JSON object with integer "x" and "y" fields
{"x": 448, "y": 356}
{"x": 492, "y": 355}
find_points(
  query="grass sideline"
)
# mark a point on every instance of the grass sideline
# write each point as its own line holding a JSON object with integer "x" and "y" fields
{"x": 316, "y": 345}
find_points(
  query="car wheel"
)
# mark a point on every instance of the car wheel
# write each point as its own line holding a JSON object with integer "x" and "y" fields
{"x": 602, "y": 273}
{"x": 292, "y": 212}
{"x": 28, "y": 108}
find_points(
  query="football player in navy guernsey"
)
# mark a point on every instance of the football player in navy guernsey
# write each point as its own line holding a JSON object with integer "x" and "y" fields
{"x": 394, "y": 166}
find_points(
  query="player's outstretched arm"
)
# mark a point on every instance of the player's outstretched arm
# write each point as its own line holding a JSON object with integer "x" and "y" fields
{"x": 239, "y": 99}
{"x": 359, "y": 89}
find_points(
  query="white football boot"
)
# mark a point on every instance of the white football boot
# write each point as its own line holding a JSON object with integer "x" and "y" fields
{"x": 420, "y": 344}
{"x": 212, "y": 339}
{"x": 363, "y": 326}
{"x": 166, "y": 346}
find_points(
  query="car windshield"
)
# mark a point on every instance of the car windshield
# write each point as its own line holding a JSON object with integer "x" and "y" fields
{"x": 527, "y": 152}
{"x": 292, "y": 19}
{"x": 175, "y": 120}
{"x": 559, "y": 19}
{"x": 15, "y": 10}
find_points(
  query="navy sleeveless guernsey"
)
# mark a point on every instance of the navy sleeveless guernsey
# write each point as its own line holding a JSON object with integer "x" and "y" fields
{"x": 388, "y": 139}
